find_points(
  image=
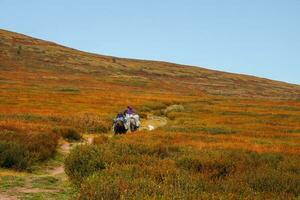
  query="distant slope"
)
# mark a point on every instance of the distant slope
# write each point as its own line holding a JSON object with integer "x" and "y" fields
{"x": 24, "y": 58}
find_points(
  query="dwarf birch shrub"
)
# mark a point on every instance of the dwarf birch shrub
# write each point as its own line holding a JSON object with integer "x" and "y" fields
{"x": 83, "y": 161}
{"x": 13, "y": 155}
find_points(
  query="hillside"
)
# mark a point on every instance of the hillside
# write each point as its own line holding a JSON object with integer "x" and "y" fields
{"x": 27, "y": 57}
{"x": 217, "y": 135}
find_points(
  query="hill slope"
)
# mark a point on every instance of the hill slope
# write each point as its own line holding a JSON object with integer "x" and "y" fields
{"x": 29, "y": 56}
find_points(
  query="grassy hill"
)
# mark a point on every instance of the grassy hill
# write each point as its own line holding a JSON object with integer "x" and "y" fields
{"x": 227, "y": 136}
{"x": 33, "y": 56}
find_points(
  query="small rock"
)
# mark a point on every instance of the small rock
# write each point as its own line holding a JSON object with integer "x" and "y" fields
{"x": 150, "y": 127}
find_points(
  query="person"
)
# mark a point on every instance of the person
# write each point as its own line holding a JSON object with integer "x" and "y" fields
{"x": 129, "y": 111}
{"x": 120, "y": 116}
{"x": 120, "y": 124}
{"x": 130, "y": 114}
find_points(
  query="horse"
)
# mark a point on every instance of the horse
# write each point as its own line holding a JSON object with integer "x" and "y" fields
{"x": 119, "y": 127}
{"x": 129, "y": 122}
{"x": 133, "y": 122}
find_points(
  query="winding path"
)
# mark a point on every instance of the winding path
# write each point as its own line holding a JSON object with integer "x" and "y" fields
{"x": 151, "y": 123}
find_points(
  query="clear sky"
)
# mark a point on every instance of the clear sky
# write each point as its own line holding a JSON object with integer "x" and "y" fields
{"x": 257, "y": 37}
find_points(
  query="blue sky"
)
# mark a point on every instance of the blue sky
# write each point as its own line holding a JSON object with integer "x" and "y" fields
{"x": 257, "y": 37}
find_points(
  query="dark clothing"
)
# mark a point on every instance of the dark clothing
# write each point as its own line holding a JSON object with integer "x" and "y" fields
{"x": 120, "y": 117}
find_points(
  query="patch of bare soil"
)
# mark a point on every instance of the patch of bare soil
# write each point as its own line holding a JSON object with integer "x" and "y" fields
{"x": 56, "y": 171}
{"x": 4, "y": 196}
{"x": 65, "y": 147}
{"x": 153, "y": 122}
{"x": 33, "y": 190}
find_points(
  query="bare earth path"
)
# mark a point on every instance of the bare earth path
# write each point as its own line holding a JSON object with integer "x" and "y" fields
{"x": 153, "y": 122}
{"x": 44, "y": 183}
{"x": 50, "y": 179}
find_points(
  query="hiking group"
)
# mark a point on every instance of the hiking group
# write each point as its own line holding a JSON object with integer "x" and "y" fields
{"x": 125, "y": 121}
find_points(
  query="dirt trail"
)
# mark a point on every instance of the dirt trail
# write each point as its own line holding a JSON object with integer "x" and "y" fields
{"x": 18, "y": 192}
{"x": 7, "y": 197}
{"x": 28, "y": 187}
{"x": 151, "y": 123}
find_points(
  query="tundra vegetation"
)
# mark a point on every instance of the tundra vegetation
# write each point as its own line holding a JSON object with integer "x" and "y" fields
{"x": 227, "y": 136}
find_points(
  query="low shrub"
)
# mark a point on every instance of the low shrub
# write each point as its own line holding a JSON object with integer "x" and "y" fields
{"x": 133, "y": 182}
{"x": 146, "y": 170}
{"x": 71, "y": 90}
{"x": 42, "y": 145}
{"x": 83, "y": 161}
{"x": 101, "y": 139}
{"x": 215, "y": 168}
{"x": 274, "y": 181}
{"x": 195, "y": 129}
{"x": 159, "y": 112}
{"x": 14, "y": 155}
{"x": 190, "y": 163}
{"x": 38, "y": 145}
{"x": 8, "y": 127}
{"x": 89, "y": 122}
{"x": 99, "y": 187}
{"x": 118, "y": 186}
{"x": 99, "y": 128}
{"x": 152, "y": 106}
{"x": 143, "y": 115}
{"x": 68, "y": 133}
{"x": 255, "y": 160}
{"x": 218, "y": 130}
{"x": 135, "y": 150}
{"x": 171, "y": 115}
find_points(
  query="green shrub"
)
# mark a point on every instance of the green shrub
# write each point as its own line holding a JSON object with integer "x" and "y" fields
{"x": 99, "y": 187}
{"x": 136, "y": 150}
{"x": 159, "y": 112}
{"x": 215, "y": 168}
{"x": 171, "y": 115}
{"x": 133, "y": 182}
{"x": 274, "y": 181}
{"x": 70, "y": 90}
{"x": 255, "y": 160}
{"x": 218, "y": 130}
{"x": 13, "y": 155}
{"x": 148, "y": 170}
{"x": 68, "y": 133}
{"x": 195, "y": 129}
{"x": 83, "y": 161}
{"x": 152, "y": 106}
{"x": 98, "y": 128}
{"x": 190, "y": 163}
{"x": 119, "y": 184}
{"x": 19, "y": 50}
{"x": 40, "y": 145}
